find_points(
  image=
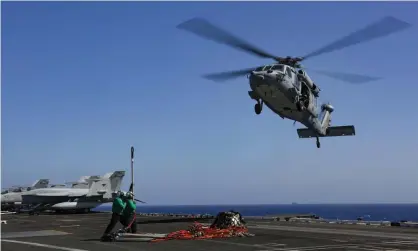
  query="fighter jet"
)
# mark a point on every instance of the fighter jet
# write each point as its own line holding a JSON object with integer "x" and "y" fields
{"x": 15, "y": 191}
{"x": 14, "y": 197}
{"x": 41, "y": 183}
{"x": 98, "y": 190}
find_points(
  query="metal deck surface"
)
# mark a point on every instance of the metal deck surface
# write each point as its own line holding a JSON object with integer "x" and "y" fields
{"x": 80, "y": 232}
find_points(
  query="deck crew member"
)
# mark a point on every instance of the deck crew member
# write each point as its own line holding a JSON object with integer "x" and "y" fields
{"x": 117, "y": 209}
{"x": 128, "y": 218}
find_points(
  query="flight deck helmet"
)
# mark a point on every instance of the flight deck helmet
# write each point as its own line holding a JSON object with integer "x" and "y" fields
{"x": 129, "y": 195}
{"x": 120, "y": 194}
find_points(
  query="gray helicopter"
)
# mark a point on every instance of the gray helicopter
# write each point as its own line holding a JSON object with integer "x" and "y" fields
{"x": 284, "y": 86}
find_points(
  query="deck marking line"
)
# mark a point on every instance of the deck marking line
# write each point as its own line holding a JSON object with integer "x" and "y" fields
{"x": 234, "y": 243}
{"x": 362, "y": 233}
{"x": 361, "y": 246}
{"x": 273, "y": 244}
{"x": 400, "y": 242}
{"x": 121, "y": 239}
{"x": 319, "y": 247}
{"x": 369, "y": 248}
{"x": 25, "y": 234}
{"x": 43, "y": 245}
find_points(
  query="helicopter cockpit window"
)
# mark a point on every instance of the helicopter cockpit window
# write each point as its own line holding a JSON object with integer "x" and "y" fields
{"x": 259, "y": 68}
{"x": 277, "y": 67}
{"x": 267, "y": 67}
{"x": 4, "y": 192}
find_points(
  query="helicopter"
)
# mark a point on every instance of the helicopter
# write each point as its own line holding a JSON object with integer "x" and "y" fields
{"x": 284, "y": 86}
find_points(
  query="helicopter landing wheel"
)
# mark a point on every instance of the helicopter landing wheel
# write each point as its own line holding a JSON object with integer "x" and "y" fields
{"x": 258, "y": 108}
{"x": 318, "y": 144}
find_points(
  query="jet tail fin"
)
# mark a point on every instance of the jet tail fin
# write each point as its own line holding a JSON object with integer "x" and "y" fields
{"x": 105, "y": 186}
{"x": 83, "y": 182}
{"x": 41, "y": 183}
{"x": 93, "y": 179}
{"x": 115, "y": 180}
{"x": 332, "y": 131}
{"x": 78, "y": 184}
{"x": 84, "y": 178}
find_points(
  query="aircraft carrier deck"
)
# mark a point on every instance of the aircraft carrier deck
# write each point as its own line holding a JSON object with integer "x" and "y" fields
{"x": 78, "y": 232}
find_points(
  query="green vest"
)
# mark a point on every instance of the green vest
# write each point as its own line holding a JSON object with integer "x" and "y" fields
{"x": 118, "y": 206}
{"x": 129, "y": 209}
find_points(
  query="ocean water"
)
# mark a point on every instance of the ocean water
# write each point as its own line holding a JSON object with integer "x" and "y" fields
{"x": 374, "y": 212}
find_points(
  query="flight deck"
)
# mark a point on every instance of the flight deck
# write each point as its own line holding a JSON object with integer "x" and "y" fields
{"x": 80, "y": 232}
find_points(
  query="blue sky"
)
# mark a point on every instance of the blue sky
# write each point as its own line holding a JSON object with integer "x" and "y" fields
{"x": 82, "y": 82}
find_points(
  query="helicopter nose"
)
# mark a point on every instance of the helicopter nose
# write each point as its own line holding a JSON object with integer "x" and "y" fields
{"x": 256, "y": 77}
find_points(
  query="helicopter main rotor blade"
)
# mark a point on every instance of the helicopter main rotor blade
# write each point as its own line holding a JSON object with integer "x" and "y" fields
{"x": 204, "y": 29}
{"x": 347, "y": 77}
{"x": 384, "y": 27}
{"x": 222, "y": 76}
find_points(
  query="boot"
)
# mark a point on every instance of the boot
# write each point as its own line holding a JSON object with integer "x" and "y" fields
{"x": 106, "y": 237}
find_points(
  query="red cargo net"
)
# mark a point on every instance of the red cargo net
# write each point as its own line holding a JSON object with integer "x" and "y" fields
{"x": 197, "y": 231}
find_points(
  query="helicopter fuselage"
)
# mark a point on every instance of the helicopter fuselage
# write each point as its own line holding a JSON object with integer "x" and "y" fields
{"x": 290, "y": 94}
{"x": 281, "y": 89}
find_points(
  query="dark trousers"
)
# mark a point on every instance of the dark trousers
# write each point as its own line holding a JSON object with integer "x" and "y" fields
{"x": 113, "y": 221}
{"x": 129, "y": 223}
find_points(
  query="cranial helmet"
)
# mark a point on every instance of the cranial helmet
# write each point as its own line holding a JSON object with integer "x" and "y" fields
{"x": 129, "y": 195}
{"x": 120, "y": 194}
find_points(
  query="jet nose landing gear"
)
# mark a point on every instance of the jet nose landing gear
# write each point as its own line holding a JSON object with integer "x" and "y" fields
{"x": 318, "y": 144}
